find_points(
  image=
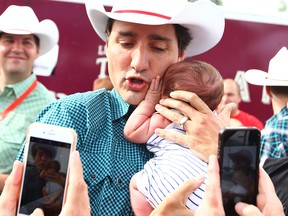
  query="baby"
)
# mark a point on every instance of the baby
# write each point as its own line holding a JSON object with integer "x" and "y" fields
{"x": 172, "y": 163}
{"x": 52, "y": 191}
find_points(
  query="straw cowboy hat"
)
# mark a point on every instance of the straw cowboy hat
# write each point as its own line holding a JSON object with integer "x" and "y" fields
{"x": 203, "y": 19}
{"x": 22, "y": 20}
{"x": 277, "y": 72}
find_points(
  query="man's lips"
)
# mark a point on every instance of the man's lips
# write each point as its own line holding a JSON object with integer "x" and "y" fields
{"x": 15, "y": 57}
{"x": 136, "y": 83}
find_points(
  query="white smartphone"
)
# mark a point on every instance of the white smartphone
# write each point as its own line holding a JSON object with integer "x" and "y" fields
{"x": 46, "y": 168}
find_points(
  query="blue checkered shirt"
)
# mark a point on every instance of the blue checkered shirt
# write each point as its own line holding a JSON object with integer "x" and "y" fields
{"x": 109, "y": 161}
{"x": 274, "y": 136}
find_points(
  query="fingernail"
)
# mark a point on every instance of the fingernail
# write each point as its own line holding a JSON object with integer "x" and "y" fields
{"x": 15, "y": 164}
{"x": 158, "y": 107}
{"x": 157, "y": 131}
{"x": 240, "y": 205}
{"x": 77, "y": 154}
{"x": 14, "y": 168}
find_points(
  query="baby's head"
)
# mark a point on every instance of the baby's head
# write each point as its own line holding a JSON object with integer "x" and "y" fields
{"x": 54, "y": 165}
{"x": 194, "y": 76}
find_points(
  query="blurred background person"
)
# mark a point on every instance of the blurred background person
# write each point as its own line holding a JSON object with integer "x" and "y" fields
{"x": 238, "y": 117}
{"x": 274, "y": 136}
{"x": 102, "y": 82}
{"x": 22, "y": 39}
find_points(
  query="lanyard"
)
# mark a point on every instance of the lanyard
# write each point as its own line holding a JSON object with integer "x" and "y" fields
{"x": 13, "y": 105}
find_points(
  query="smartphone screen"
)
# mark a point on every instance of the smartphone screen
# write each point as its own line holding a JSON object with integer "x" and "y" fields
{"x": 239, "y": 166}
{"x": 45, "y": 172}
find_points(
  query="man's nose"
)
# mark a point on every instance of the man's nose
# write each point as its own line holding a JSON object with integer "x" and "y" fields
{"x": 140, "y": 59}
{"x": 17, "y": 46}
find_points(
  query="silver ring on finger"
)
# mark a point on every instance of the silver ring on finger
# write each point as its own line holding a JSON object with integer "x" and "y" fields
{"x": 183, "y": 121}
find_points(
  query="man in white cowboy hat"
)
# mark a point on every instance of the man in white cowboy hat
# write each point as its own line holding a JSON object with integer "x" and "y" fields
{"x": 143, "y": 38}
{"x": 22, "y": 39}
{"x": 274, "y": 136}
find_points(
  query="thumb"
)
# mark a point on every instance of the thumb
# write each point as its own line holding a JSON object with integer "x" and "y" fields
{"x": 244, "y": 209}
{"x": 37, "y": 212}
{"x": 225, "y": 113}
{"x": 188, "y": 187}
{"x": 9, "y": 196}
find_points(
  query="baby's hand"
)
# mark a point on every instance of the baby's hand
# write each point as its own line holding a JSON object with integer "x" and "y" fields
{"x": 154, "y": 92}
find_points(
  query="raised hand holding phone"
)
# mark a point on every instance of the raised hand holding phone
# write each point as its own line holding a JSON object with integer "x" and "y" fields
{"x": 46, "y": 168}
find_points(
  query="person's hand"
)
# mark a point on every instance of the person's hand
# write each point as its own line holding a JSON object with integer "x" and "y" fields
{"x": 142, "y": 123}
{"x": 235, "y": 122}
{"x": 77, "y": 199}
{"x": 212, "y": 200}
{"x": 267, "y": 201}
{"x": 202, "y": 127}
{"x": 154, "y": 92}
{"x": 53, "y": 175}
{"x": 211, "y": 205}
{"x": 10, "y": 193}
{"x": 175, "y": 203}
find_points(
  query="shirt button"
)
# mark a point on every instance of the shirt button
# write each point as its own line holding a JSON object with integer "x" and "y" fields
{"x": 9, "y": 93}
{"x": 119, "y": 181}
{"x": 93, "y": 175}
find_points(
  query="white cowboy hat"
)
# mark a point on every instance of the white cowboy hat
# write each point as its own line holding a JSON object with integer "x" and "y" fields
{"x": 44, "y": 65}
{"x": 22, "y": 20}
{"x": 203, "y": 18}
{"x": 277, "y": 72}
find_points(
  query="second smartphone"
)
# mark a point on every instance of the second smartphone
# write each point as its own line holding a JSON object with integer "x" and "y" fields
{"x": 46, "y": 168}
{"x": 239, "y": 166}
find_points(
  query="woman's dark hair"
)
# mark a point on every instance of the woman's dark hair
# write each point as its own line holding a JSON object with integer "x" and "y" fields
{"x": 182, "y": 34}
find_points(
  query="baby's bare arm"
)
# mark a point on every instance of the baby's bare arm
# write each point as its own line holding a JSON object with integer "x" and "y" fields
{"x": 139, "y": 127}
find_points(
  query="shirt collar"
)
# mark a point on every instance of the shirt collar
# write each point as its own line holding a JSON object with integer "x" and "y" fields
{"x": 283, "y": 113}
{"x": 20, "y": 87}
{"x": 119, "y": 107}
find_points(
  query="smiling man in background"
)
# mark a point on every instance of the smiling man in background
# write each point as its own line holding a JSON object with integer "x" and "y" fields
{"x": 22, "y": 39}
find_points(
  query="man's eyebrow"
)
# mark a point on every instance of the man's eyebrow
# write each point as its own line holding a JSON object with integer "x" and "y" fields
{"x": 28, "y": 38}
{"x": 155, "y": 37}
{"x": 6, "y": 36}
{"x": 127, "y": 33}
{"x": 159, "y": 38}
